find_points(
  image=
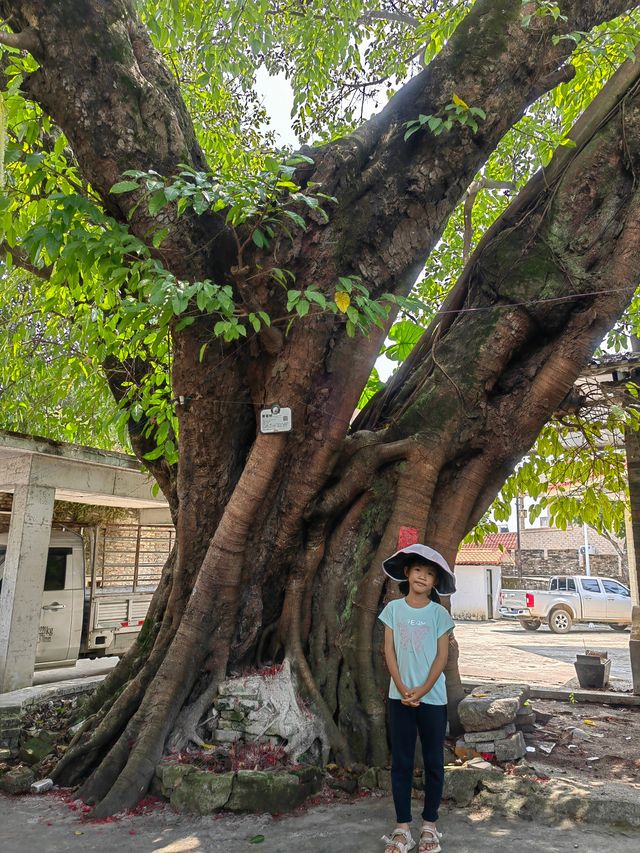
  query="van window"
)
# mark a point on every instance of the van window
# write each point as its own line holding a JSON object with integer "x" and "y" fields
{"x": 590, "y": 586}
{"x": 571, "y": 585}
{"x": 56, "y": 574}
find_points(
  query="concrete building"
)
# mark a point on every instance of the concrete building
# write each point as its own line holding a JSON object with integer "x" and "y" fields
{"x": 37, "y": 472}
{"x": 478, "y": 572}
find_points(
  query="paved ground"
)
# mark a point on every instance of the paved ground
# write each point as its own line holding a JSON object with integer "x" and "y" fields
{"x": 503, "y": 651}
{"x": 44, "y": 825}
{"x": 83, "y": 669}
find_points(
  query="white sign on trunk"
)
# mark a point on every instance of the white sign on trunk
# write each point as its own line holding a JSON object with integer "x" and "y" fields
{"x": 275, "y": 419}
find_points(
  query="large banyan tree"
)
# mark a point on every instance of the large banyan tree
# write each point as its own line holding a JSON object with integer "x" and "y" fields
{"x": 209, "y": 293}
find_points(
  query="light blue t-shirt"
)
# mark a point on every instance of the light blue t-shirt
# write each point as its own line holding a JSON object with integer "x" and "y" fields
{"x": 416, "y": 631}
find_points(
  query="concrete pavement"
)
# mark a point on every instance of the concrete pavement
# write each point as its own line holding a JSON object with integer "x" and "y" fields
{"x": 45, "y": 825}
{"x": 503, "y": 651}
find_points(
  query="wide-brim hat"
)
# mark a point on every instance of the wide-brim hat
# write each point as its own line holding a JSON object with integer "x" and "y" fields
{"x": 395, "y": 565}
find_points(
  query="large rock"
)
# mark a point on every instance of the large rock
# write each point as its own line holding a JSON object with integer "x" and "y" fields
{"x": 369, "y": 779}
{"x": 200, "y": 792}
{"x": 462, "y": 783}
{"x": 495, "y": 734}
{"x": 557, "y": 801}
{"x": 196, "y": 791}
{"x": 17, "y": 781}
{"x": 38, "y": 747}
{"x": 259, "y": 791}
{"x": 492, "y": 706}
{"x": 512, "y": 748}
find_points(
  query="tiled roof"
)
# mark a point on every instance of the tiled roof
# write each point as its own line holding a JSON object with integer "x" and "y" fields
{"x": 478, "y": 555}
{"x": 506, "y": 541}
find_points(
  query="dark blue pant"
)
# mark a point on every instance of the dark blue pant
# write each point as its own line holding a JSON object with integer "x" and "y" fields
{"x": 430, "y": 721}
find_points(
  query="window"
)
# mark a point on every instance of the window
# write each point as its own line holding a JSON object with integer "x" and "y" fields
{"x": 590, "y": 586}
{"x": 615, "y": 588}
{"x": 56, "y": 574}
{"x": 563, "y": 585}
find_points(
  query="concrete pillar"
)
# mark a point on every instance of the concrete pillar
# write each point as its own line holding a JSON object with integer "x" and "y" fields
{"x": 23, "y": 582}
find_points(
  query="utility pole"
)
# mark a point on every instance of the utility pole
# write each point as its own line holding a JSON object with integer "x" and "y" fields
{"x": 587, "y": 561}
{"x": 518, "y": 543}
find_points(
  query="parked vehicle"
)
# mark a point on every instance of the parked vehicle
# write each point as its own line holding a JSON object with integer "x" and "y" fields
{"x": 569, "y": 599}
{"x": 78, "y": 619}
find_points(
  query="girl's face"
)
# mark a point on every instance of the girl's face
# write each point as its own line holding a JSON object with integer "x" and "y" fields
{"x": 422, "y": 578}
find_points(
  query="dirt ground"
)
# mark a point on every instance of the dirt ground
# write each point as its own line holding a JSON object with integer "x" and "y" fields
{"x": 586, "y": 741}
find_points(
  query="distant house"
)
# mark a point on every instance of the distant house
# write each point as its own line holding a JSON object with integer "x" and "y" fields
{"x": 479, "y": 576}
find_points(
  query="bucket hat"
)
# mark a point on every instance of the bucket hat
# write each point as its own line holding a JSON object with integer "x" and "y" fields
{"x": 395, "y": 565}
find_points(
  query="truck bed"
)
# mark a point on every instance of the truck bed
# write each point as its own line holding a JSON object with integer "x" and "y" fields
{"x": 114, "y": 621}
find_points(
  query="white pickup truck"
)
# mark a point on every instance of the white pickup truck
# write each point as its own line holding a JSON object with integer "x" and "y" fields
{"x": 78, "y": 620}
{"x": 569, "y": 599}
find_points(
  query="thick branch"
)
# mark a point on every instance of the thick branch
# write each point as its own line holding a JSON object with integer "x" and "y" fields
{"x": 106, "y": 86}
{"x": 397, "y": 195}
{"x": 25, "y": 40}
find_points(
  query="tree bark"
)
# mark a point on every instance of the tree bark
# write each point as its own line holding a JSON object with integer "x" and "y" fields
{"x": 276, "y": 558}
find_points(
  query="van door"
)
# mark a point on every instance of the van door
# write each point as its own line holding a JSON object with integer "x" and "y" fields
{"x": 56, "y": 616}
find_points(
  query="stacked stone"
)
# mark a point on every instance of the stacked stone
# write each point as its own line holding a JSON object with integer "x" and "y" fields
{"x": 10, "y": 726}
{"x": 489, "y": 716}
{"x": 242, "y": 716}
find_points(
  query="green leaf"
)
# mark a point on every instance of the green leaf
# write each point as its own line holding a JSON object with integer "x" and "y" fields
{"x": 295, "y": 217}
{"x": 259, "y": 239}
{"x": 257, "y": 839}
{"x": 154, "y": 454}
{"x": 317, "y": 297}
{"x": 124, "y": 187}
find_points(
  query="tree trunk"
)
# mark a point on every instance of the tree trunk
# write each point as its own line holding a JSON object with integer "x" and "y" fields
{"x": 280, "y": 537}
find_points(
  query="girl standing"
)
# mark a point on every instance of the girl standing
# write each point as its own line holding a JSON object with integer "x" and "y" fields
{"x": 416, "y": 648}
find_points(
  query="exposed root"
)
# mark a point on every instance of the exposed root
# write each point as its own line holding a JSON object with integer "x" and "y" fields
{"x": 184, "y": 731}
{"x": 86, "y": 748}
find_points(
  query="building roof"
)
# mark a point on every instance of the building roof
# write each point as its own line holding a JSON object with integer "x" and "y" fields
{"x": 509, "y": 541}
{"x": 486, "y": 555}
{"x": 495, "y": 550}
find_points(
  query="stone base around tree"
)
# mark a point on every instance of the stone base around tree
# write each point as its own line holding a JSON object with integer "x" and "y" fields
{"x": 265, "y": 708}
{"x": 201, "y": 792}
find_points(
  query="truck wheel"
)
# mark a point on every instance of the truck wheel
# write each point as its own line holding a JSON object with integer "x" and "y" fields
{"x": 619, "y": 627}
{"x": 560, "y": 621}
{"x": 530, "y": 624}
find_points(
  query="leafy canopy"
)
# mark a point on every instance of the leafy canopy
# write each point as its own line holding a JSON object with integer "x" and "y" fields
{"x": 80, "y": 289}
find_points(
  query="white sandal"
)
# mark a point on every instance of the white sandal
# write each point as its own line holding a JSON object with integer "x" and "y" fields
{"x": 400, "y": 841}
{"x": 430, "y": 835}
